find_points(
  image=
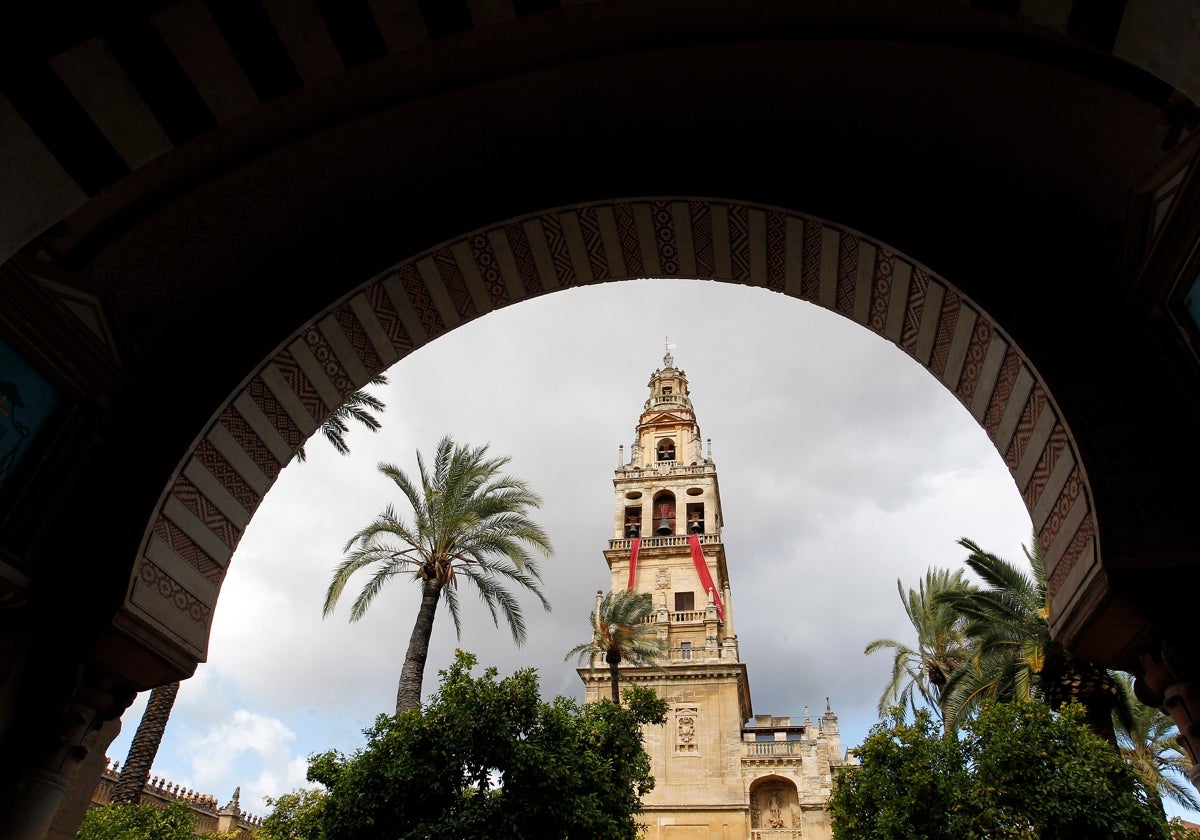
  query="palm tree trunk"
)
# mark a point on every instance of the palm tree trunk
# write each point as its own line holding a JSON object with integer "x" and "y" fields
{"x": 408, "y": 694}
{"x": 145, "y": 745}
{"x": 613, "y": 658}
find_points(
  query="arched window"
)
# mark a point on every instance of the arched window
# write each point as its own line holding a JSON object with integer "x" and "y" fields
{"x": 664, "y": 514}
{"x": 666, "y": 450}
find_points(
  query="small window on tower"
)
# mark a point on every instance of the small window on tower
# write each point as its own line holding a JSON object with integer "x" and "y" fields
{"x": 667, "y": 390}
{"x": 685, "y": 650}
{"x": 695, "y": 517}
{"x": 666, "y": 450}
{"x": 685, "y": 601}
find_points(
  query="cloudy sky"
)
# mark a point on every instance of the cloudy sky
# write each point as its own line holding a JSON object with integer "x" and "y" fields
{"x": 843, "y": 465}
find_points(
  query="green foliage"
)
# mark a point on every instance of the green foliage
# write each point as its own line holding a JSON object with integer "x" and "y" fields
{"x": 296, "y": 816}
{"x": 910, "y": 784}
{"x": 1019, "y": 771}
{"x": 138, "y": 822}
{"x": 486, "y": 758}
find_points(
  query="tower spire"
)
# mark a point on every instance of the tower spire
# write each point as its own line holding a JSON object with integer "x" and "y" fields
{"x": 668, "y": 359}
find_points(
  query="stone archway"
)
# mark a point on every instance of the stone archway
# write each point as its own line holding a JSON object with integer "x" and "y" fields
{"x": 218, "y": 485}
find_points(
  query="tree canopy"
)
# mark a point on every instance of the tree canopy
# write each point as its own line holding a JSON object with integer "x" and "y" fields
{"x": 486, "y": 758}
{"x": 123, "y": 821}
{"x": 1018, "y": 771}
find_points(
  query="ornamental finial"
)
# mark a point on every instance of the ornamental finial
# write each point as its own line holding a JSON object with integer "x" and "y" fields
{"x": 668, "y": 359}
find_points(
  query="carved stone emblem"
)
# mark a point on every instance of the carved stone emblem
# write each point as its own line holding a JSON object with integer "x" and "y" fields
{"x": 687, "y": 719}
{"x": 662, "y": 579}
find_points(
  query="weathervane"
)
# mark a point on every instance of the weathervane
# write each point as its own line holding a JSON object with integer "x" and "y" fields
{"x": 668, "y": 359}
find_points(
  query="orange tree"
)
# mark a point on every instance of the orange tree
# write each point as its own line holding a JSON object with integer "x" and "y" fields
{"x": 486, "y": 758}
{"x": 1017, "y": 770}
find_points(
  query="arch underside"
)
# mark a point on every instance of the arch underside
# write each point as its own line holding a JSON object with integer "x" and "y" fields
{"x": 186, "y": 552}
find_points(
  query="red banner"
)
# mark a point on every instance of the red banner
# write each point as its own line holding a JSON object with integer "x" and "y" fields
{"x": 705, "y": 578}
{"x": 634, "y": 544}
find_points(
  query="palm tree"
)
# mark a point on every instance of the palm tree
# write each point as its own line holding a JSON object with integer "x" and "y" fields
{"x": 144, "y": 746}
{"x": 468, "y": 521}
{"x": 359, "y": 406}
{"x": 1015, "y": 658}
{"x": 1149, "y": 741}
{"x": 942, "y": 646}
{"x": 620, "y": 633}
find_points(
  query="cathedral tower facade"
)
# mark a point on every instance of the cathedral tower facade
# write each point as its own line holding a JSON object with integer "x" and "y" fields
{"x": 720, "y": 771}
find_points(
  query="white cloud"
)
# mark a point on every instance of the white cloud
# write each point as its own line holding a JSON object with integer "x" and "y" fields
{"x": 228, "y": 753}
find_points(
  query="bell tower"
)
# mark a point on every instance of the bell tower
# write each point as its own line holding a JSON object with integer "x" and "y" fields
{"x": 719, "y": 770}
{"x": 667, "y": 518}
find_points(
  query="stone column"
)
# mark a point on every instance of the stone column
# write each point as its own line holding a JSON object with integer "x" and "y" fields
{"x": 53, "y": 703}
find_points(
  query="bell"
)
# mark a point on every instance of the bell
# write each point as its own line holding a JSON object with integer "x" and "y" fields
{"x": 664, "y": 527}
{"x": 632, "y": 531}
{"x": 697, "y": 526}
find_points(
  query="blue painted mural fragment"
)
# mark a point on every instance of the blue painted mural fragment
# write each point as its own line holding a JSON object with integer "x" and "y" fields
{"x": 1191, "y": 301}
{"x": 27, "y": 399}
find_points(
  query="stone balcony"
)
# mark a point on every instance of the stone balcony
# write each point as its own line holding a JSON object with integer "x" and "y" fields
{"x": 672, "y": 541}
{"x": 771, "y": 749}
{"x": 668, "y": 468}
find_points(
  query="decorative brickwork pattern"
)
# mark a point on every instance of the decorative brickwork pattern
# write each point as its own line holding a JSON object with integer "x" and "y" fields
{"x": 973, "y": 364}
{"x": 249, "y": 440}
{"x": 1070, "y": 558}
{"x": 1001, "y": 392}
{"x": 914, "y": 310}
{"x": 301, "y": 386}
{"x": 593, "y": 243}
{"x": 328, "y": 360}
{"x": 170, "y": 590}
{"x": 1029, "y": 416}
{"x": 739, "y": 242}
{"x": 275, "y": 412}
{"x": 455, "y": 285}
{"x": 229, "y": 477}
{"x": 203, "y": 509}
{"x": 847, "y": 273}
{"x": 1041, "y": 473}
{"x": 388, "y": 318}
{"x": 182, "y": 544}
{"x": 414, "y": 287}
{"x": 489, "y": 269}
{"x": 881, "y": 290}
{"x": 776, "y": 251}
{"x": 702, "y": 238}
{"x": 664, "y": 238}
{"x": 945, "y": 334}
{"x": 1062, "y": 507}
{"x": 518, "y": 241}
{"x": 631, "y": 249}
{"x": 356, "y": 334}
{"x": 810, "y": 272}
{"x": 557, "y": 243}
